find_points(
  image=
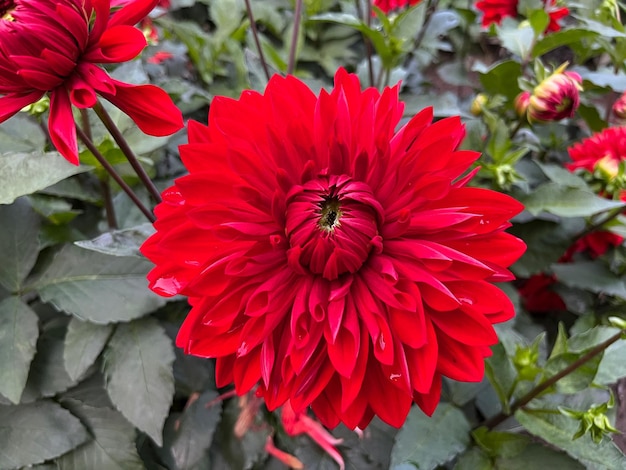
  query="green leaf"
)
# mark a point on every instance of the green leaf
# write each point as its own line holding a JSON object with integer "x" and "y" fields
{"x": 139, "y": 380}
{"x": 83, "y": 343}
{"x": 112, "y": 446}
{"x": 539, "y": 20}
{"x": 19, "y": 243}
{"x": 125, "y": 242}
{"x": 579, "y": 379}
{"x": 25, "y": 173}
{"x": 97, "y": 287}
{"x": 560, "y": 175}
{"x": 500, "y": 444}
{"x": 567, "y": 202}
{"x": 429, "y": 442}
{"x": 18, "y": 337}
{"x": 501, "y": 373}
{"x": 189, "y": 435}
{"x": 558, "y": 430}
{"x": 473, "y": 459}
{"x": 613, "y": 366}
{"x": 31, "y": 434}
{"x": 536, "y": 456}
{"x": 501, "y": 79}
{"x": 21, "y": 133}
{"x": 592, "y": 276}
{"x": 517, "y": 39}
{"x": 592, "y": 117}
{"x": 561, "y": 38}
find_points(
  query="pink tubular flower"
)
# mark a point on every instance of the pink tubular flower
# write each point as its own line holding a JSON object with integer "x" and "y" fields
{"x": 330, "y": 259}
{"x": 391, "y": 5}
{"x": 556, "y": 97}
{"x": 54, "y": 47}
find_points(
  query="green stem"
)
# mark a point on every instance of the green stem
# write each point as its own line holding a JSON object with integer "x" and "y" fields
{"x": 294, "y": 37}
{"x": 257, "y": 42}
{"x": 593, "y": 227}
{"x": 105, "y": 187}
{"x": 543, "y": 386}
{"x": 114, "y": 174}
{"x": 127, "y": 151}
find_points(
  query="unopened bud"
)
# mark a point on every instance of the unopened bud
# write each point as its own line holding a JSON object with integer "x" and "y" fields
{"x": 478, "y": 105}
{"x": 619, "y": 107}
{"x": 556, "y": 97}
{"x": 521, "y": 103}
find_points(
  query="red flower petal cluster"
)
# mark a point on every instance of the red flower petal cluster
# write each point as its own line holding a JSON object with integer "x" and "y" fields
{"x": 53, "y": 47}
{"x": 330, "y": 259}
{"x": 538, "y": 297}
{"x": 494, "y": 11}
{"x": 602, "y": 151}
{"x": 391, "y": 5}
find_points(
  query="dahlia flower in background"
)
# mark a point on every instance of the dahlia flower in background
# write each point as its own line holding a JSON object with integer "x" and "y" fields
{"x": 619, "y": 107}
{"x": 391, "y": 5}
{"x": 494, "y": 11}
{"x": 537, "y": 296}
{"x": 556, "y": 97}
{"x": 602, "y": 152}
{"x": 54, "y": 47}
{"x": 329, "y": 259}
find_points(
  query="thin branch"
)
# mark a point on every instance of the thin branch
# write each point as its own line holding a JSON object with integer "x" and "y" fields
{"x": 127, "y": 151}
{"x": 368, "y": 44}
{"x": 543, "y": 386}
{"x": 294, "y": 37}
{"x": 114, "y": 174}
{"x": 257, "y": 42}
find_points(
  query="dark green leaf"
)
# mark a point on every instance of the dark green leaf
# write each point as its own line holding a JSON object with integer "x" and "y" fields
{"x": 558, "y": 431}
{"x": 517, "y": 39}
{"x": 500, "y": 444}
{"x": 473, "y": 459}
{"x": 188, "y": 436}
{"x": 112, "y": 446}
{"x": 567, "y": 202}
{"x": 83, "y": 343}
{"x": 21, "y": 133}
{"x": 96, "y": 287}
{"x": 138, "y": 369}
{"x": 19, "y": 244}
{"x": 613, "y": 366}
{"x": 501, "y": 79}
{"x": 579, "y": 379}
{"x": 536, "y": 456}
{"x": 429, "y": 442}
{"x": 25, "y": 173}
{"x": 18, "y": 337}
{"x": 592, "y": 117}
{"x": 592, "y": 276}
{"x": 31, "y": 434}
{"x": 125, "y": 242}
{"x": 500, "y": 371}
{"x": 561, "y": 38}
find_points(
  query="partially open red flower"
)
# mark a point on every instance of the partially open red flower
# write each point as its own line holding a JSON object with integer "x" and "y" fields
{"x": 494, "y": 11}
{"x": 329, "y": 258}
{"x": 556, "y": 97}
{"x": 603, "y": 151}
{"x": 54, "y": 47}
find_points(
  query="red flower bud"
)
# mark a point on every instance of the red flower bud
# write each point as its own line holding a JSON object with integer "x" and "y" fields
{"x": 556, "y": 97}
{"x": 619, "y": 107}
{"x": 521, "y": 103}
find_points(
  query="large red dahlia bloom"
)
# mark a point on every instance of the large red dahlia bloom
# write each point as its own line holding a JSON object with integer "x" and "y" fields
{"x": 330, "y": 259}
{"x": 54, "y": 47}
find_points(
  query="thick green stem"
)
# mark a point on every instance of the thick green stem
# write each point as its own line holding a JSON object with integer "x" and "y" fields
{"x": 127, "y": 151}
{"x": 114, "y": 174}
{"x": 543, "y": 386}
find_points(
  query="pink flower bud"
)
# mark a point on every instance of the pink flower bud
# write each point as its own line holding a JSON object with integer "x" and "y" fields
{"x": 521, "y": 103}
{"x": 556, "y": 97}
{"x": 619, "y": 107}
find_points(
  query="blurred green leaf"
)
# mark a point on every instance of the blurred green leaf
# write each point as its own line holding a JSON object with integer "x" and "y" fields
{"x": 474, "y": 459}
{"x": 25, "y": 173}
{"x": 83, "y": 343}
{"x": 112, "y": 446}
{"x": 536, "y": 456}
{"x": 501, "y": 78}
{"x": 139, "y": 379}
{"x": 613, "y": 366}
{"x": 501, "y": 373}
{"x": 428, "y": 442}
{"x": 564, "y": 37}
{"x": 592, "y": 276}
{"x": 516, "y": 38}
{"x": 567, "y": 202}
{"x": 31, "y": 434}
{"x": 500, "y": 444}
{"x": 97, "y": 287}
{"x": 579, "y": 379}
{"x": 19, "y": 243}
{"x": 18, "y": 337}
{"x": 188, "y": 435}
{"x": 21, "y": 133}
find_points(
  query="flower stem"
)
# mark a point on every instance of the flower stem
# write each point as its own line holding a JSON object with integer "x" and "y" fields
{"x": 105, "y": 187}
{"x": 367, "y": 19}
{"x": 126, "y": 150}
{"x": 257, "y": 42}
{"x": 114, "y": 174}
{"x": 593, "y": 227}
{"x": 543, "y": 386}
{"x": 294, "y": 37}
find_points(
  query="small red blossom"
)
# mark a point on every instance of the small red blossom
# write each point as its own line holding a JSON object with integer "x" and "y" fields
{"x": 330, "y": 259}
{"x": 619, "y": 107}
{"x": 537, "y": 296}
{"x": 55, "y": 48}
{"x": 494, "y": 11}
{"x": 602, "y": 151}
{"x": 391, "y": 5}
{"x": 594, "y": 244}
{"x": 521, "y": 103}
{"x": 160, "y": 57}
{"x": 556, "y": 97}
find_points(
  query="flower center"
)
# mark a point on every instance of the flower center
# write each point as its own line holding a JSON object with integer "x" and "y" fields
{"x": 332, "y": 225}
{"x": 6, "y": 8}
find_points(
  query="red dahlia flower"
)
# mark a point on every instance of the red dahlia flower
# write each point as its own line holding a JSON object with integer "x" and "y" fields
{"x": 537, "y": 295}
{"x": 54, "y": 47}
{"x": 391, "y": 5}
{"x": 602, "y": 152}
{"x": 494, "y": 11}
{"x": 330, "y": 259}
{"x": 556, "y": 97}
{"x": 619, "y": 107}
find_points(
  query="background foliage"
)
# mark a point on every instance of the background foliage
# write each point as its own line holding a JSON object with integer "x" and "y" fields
{"x": 89, "y": 375}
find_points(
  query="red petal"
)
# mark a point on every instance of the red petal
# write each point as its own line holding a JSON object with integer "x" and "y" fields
{"x": 61, "y": 125}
